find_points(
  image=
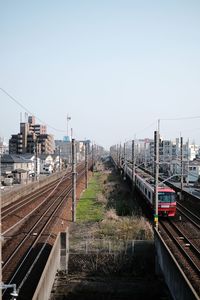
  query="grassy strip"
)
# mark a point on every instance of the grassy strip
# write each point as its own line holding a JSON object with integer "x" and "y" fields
{"x": 88, "y": 209}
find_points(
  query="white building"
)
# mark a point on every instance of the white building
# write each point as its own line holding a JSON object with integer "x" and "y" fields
{"x": 3, "y": 147}
{"x": 46, "y": 164}
{"x": 194, "y": 171}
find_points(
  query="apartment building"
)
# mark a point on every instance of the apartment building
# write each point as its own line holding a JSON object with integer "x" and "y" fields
{"x": 32, "y": 138}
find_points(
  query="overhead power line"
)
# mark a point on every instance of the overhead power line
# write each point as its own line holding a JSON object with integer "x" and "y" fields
{"x": 28, "y": 111}
{"x": 181, "y": 118}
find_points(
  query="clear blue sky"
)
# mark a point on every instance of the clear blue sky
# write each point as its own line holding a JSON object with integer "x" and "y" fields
{"x": 114, "y": 66}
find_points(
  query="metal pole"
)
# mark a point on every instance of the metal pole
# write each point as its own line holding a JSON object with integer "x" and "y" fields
{"x": 188, "y": 163}
{"x": 133, "y": 164}
{"x": 71, "y": 133}
{"x": 86, "y": 165}
{"x": 0, "y": 240}
{"x": 156, "y": 175}
{"x": 73, "y": 181}
{"x": 59, "y": 159}
{"x": 36, "y": 159}
{"x": 124, "y": 161}
{"x": 92, "y": 158}
{"x": 117, "y": 155}
{"x": 120, "y": 149}
{"x": 181, "y": 168}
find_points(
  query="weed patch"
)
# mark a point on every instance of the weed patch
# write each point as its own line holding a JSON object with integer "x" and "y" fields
{"x": 88, "y": 208}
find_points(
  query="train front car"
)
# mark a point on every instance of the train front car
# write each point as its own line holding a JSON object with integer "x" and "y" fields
{"x": 166, "y": 202}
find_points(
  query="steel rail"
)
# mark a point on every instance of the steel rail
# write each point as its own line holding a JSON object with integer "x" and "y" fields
{"x": 68, "y": 190}
{"x": 176, "y": 241}
{"x": 30, "y": 232}
{"x": 14, "y": 206}
{"x": 185, "y": 214}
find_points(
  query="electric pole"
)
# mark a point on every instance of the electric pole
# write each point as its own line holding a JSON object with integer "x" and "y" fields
{"x": 86, "y": 165}
{"x": 36, "y": 159}
{"x": 92, "y": 158}
{"x": 117, "y": 156}
{"x": 59, "y": 159}
{"x": 156, "y": 175}
{"x": 124, "y": 161}
{"x": 120, "y": 149}
{"x": 181, "y": 168}
{"x": 133, "y": 164}
{"x": 1, "y": 239}
{"x": 73, "y": 181}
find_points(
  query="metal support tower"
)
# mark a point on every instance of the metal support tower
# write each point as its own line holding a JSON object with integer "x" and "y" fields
{"x": 133, "y": 164}
{"x": 86, "y": 165}
{"x": 156, "y": 175}
{"x": 181, "y": 194}
{"x": 73, "y": 181}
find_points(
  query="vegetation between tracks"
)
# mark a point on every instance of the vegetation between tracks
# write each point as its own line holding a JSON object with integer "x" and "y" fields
{"x": 88, "y": 209}
{"x": 108, "y": 206}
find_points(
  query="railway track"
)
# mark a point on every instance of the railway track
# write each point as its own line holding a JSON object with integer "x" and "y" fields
{"x": 183, "y": 247}
{"x": 12, "y": 213}
{"x": 189, "y": 215}
{"x": 24, "y": 252}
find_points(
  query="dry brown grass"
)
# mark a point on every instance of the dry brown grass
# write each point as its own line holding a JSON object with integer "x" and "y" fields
{"x": 125, "y": 228}
{"x": 101, "y": 199}
{"x": 111, "y": 214}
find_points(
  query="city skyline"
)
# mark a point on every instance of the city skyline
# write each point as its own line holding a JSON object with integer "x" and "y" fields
{"x": 114, "y": 67}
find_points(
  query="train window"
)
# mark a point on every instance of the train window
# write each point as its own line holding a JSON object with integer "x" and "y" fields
{"x": 149, "y": 195}
{"x": 145, "y": 191}
{"x": 166, "y": 197}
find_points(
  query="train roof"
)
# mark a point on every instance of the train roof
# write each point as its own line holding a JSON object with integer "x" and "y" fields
{"x": 150, "y": 182}
{"x": 165, "y": 189}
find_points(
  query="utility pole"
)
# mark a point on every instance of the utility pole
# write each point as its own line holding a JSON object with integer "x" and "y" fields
{"x": 92, "y": 158}
{"x": 86, "y": 165}
{"x": 36, "y": 159}
{"x": 181, "y": 168}
{"x": 145, "y": 157}
{"x": 1, "y": 238}
{"x": 73, "y": 181}
{"x": 156, "y": 175}
{"x": 133, "y": 164}
{"x": 117, "y": 156}
{"x": 59, "y": 159}
{"x": 124, "y": 161}
{"x": 120, "y": 149}
{"x": 187, "y": 163}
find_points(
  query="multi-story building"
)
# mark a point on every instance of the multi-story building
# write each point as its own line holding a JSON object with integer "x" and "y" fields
{"x": 3, "y": 146}
{"x": 31, "y": 139}
{"x": 64, "y": 149}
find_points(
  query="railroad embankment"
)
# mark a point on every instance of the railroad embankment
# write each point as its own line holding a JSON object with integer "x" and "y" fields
{"x": 111, "y": 246}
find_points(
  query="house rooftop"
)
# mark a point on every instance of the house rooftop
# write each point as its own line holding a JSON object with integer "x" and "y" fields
{"x": 14, "y": 158}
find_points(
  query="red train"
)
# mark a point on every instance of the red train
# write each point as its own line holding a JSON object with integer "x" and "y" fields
{"x": 166, "y": 195}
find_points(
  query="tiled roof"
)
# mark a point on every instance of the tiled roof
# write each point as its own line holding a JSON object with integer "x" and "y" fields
{"x": 14, "y": 158}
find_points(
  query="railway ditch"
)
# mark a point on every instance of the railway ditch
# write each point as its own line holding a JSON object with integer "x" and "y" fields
{"x": 111, "y": 247}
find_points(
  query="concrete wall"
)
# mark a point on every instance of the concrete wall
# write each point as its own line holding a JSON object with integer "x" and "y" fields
{"x": 23, "y": 190}
{"x": 176, "y": 281}
{"x": 56, "y": 261}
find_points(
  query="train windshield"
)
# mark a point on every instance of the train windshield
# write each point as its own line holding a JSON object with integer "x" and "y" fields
{"x": 166, "y": 197}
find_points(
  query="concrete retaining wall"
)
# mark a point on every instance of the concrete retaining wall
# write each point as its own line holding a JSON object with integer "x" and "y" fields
{"x": 56, "y": 261}
{"x": 23, "y": 190}
{"x": 176, "y": 280}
